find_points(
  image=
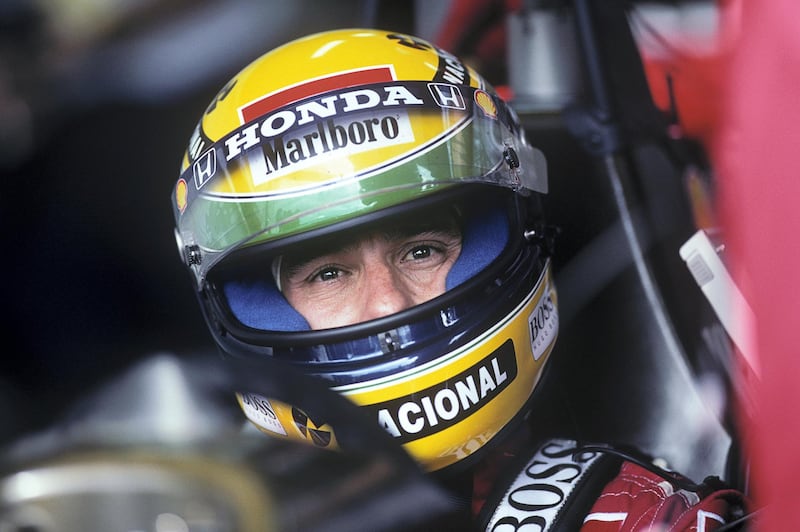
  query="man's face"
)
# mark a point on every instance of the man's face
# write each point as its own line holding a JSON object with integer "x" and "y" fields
{"x": 375, "y": 275}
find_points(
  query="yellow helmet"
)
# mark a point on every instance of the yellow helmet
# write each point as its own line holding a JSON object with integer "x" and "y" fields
{"x": 343, "y": 129}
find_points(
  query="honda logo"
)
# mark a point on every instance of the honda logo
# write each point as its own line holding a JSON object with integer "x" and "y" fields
{"x": 204, "y": 168}
{"x": 446, "y": 95}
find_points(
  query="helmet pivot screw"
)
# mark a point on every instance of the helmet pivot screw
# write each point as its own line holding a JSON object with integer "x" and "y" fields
{"x": 511, "y": 157}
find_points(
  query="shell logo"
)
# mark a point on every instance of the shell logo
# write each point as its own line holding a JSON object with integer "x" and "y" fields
{"x": 485, "y": 102}
{"x": 181, "y": 192}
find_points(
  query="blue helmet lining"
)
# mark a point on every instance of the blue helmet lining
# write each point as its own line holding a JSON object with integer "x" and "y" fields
{"x": 260, "y": 305}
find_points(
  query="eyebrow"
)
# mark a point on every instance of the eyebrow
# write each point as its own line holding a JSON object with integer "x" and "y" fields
{"x": 293, "y": 263}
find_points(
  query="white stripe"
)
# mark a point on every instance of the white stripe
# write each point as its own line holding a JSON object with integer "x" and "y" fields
{"x": 703, "y": 517}
{"x": 606, "y": 517}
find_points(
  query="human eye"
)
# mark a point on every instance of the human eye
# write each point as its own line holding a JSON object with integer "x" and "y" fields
{"x": 421, "y": 252}
{"x": 326, "y": 274}
{"x": 313, "y": 273}
{"x": 428, "y": 253}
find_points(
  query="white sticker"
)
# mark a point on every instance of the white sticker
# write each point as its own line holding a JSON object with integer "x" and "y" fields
{"x": 543, "y": 324}
{"x": 543, "y": 489}
{"x": 259, "y": 410}
{"x": 317, "y": 142}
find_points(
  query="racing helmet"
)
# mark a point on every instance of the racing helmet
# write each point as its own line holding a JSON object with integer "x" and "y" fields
{"x": 345, "y": 130}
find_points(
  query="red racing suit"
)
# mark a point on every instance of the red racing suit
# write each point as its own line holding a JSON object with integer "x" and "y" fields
{"x": 564, "y": 486}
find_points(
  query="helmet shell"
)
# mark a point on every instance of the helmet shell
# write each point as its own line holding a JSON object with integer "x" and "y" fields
{"x": 337, "y": 130}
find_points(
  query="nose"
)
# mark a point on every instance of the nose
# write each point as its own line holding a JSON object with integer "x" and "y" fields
{"x": 384, "y": 292}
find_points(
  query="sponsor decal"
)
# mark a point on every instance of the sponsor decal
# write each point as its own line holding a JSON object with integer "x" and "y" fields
{"x": 447, "y": 96}
{"x": 443, "y": 405}
{"x": 181, "y": 193}
{"x": 196, "y": 144}
{"x": 347, "y": 122}
{"x": 541, "y": 490}
{"x": 304, "y": 135}
{"x": 260, "y": 411}
{"x": 409, "y": 41}
{"x": 204, "y": 168}
{"x": 465, "y": 448}
{"x": 342, "y": 80}
{"x": 543, "y": 324}
{"x": 485, "y": 103}
{"x": 221, "y": 95}
{"x": 327, "y": 107}
{"x": 310, "y": 428}
{"x": 281, "y": 155}
{"x": 450, "y": 69}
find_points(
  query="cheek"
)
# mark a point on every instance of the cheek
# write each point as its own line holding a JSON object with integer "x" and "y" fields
{"x": 324, "y": 315}
{"x": 328, "y": 320}
{"x": 426, "y": 285}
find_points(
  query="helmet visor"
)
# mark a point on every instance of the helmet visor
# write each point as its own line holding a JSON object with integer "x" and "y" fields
{"x": 344, "y": 154}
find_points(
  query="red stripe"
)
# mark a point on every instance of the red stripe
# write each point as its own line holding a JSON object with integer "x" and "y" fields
{"x": 318, "y": 86}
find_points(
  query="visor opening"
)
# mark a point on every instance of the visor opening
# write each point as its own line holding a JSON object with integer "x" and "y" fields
{"x": 258, "y": 304}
